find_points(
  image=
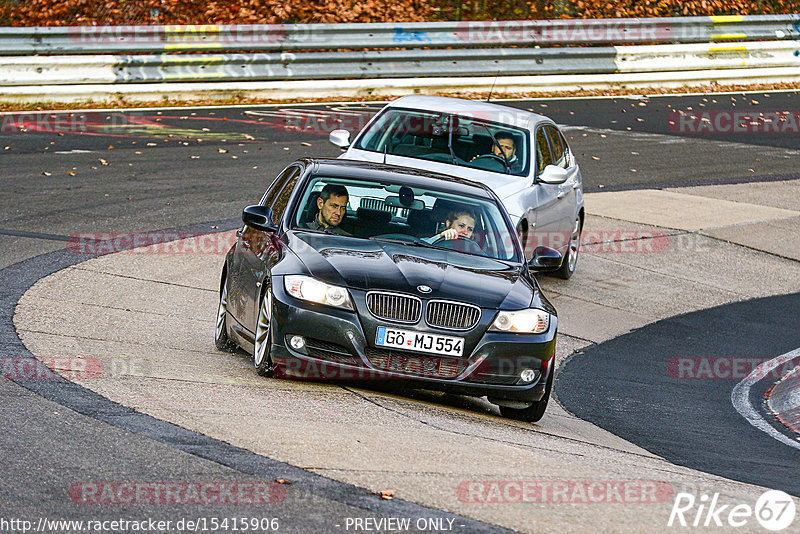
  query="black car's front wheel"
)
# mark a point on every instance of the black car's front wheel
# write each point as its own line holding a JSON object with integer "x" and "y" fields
{"x": 221, "y": 339}
{"x": 261, "y": 349}
{"x": 535, "y": 411}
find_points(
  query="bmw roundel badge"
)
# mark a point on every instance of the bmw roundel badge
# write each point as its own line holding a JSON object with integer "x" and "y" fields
{"x": 424, "y": 289}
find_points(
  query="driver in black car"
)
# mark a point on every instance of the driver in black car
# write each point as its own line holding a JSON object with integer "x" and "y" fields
{"x": 459, "y": 223}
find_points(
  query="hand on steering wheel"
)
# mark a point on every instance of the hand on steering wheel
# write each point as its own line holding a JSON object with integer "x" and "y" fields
{"x": 452, "y": 235}
{"x": 490, "y": 156}
{"x": 449, "y": 233}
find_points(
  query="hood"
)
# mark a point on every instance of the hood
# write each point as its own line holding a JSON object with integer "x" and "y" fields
{"x": 380, "y": 265}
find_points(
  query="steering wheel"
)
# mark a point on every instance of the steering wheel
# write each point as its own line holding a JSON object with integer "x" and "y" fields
{"x": 470, "y": 246}
{"x": 491, "y": 159}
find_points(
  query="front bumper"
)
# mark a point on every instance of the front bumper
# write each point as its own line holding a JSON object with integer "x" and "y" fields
{"x": 340, "y": 345}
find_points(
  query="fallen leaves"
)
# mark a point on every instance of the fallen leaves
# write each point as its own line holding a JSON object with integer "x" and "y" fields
{"x": 386, "y": 495}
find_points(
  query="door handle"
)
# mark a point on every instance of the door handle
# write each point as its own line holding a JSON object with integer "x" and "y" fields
{"x": 561, "y": 195}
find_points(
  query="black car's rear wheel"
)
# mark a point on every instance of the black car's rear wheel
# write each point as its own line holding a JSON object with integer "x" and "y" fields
{"x": 221, "y": 339}
{"x": 263, "y": 342}
{"x": 535, "y": 411}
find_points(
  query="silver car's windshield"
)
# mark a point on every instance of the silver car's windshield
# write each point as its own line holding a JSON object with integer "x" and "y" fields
{"x": 456, "y": 139}
{"x": 416, "y": 215}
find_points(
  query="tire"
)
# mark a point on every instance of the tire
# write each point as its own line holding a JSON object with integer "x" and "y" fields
{"x": 535, "y": 411}
{"x": 221, "y": 339}
{"x": 570, "y": 262}
{"x": 263, "y": 341}
{"x": 522, "y": 235}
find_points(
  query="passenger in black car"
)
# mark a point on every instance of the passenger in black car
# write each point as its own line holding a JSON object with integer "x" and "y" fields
{"x": 459, "y": 223}
{"x": 332, "y": 206}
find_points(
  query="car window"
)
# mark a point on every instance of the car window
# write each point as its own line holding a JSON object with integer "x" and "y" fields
{"x": 543, "y": 156}
{"x": 397, "y": 212}
{"x": 280, "y": 200}
{"x": 558, "y": 152}
{"x": 459, "y": 139}
{"x": 567, "y": 151}
{"x": 277, "y": 185}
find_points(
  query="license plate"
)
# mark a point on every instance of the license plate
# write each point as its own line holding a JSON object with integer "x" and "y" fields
{"x": 419, "y": 341}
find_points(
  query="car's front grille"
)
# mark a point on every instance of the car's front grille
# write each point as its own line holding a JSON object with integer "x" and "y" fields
{"x": 452, "y": 315}
{"x": 394, "y": 306}
{"x": 412, "y": 364}
{"x": 325, "y": 350}
{"x": 502, "y": 380}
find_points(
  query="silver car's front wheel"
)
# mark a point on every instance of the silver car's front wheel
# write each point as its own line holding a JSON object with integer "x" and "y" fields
{"x": 263, "y": 341}
{"x": 570, "y": 262}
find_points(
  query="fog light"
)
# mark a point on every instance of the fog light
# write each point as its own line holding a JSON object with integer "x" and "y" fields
{"x": 527, "y": 375}
{"x": 297, "y": 342}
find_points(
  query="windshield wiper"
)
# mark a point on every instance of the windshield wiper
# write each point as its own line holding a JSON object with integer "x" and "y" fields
{"x": 505, "y": 159}
{"x": 403, "y": 242}
{"x": 450, "y": 140}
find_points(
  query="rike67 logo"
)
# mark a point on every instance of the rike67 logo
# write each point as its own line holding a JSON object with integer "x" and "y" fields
{"x": 774, "y": 510}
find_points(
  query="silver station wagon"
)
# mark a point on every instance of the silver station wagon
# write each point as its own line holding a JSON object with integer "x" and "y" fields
{"x": 521, "y": 156}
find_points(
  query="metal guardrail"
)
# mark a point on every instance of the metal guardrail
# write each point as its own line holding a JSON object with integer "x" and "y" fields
{"x": 127, "y": 69}
{"x": 467, "y": 34}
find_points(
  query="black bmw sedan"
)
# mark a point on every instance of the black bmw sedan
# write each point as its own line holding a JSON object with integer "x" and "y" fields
{"x": 355, "y": 271}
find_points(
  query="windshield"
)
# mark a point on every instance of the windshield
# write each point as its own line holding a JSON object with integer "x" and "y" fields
{"x": 463, "y": 140}
{"x": 417, "y": 216}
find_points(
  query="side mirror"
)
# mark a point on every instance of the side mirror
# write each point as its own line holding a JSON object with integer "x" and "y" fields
{"x": 340, "y": 138}
{"x": 545, "y": 259}
{"x": 553, "y": 175}
{"x": 259, "y": 217}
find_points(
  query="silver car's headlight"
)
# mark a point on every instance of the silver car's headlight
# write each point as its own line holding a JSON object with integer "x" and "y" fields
{"x": 529, "y": 321}
{"x": 313, "y": 290}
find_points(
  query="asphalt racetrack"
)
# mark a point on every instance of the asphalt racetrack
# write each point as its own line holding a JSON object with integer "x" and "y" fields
{"x": 630, "y": 320}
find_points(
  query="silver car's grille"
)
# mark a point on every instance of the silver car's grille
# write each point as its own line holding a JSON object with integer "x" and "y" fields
{"x": 452, "y": 315}
{"x": 394, "y": 307}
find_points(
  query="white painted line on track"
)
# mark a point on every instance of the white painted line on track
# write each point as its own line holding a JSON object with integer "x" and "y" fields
{"x": 740, "y": 397}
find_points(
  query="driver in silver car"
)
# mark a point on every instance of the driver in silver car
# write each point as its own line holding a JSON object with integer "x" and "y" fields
{"x": 505, "y": 149}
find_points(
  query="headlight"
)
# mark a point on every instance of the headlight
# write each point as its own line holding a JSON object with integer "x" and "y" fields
{"x": 521, "y": 322}
{"x": 317, "y": 291}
